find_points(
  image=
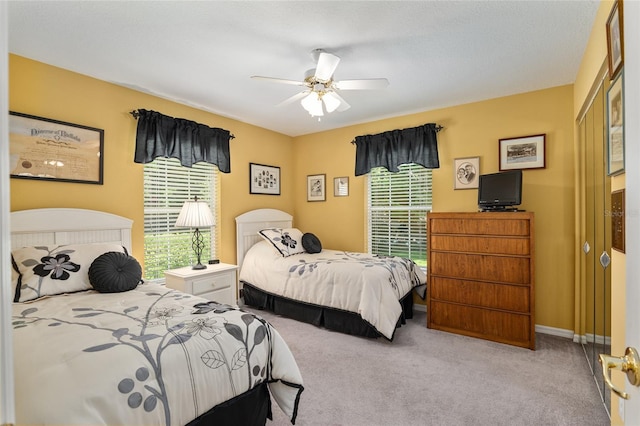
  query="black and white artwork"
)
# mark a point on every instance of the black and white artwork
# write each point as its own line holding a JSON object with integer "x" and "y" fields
{"x": 264, "y": 179}
{"x": 466, "y": 172}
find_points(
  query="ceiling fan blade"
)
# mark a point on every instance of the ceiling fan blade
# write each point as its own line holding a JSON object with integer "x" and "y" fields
{"x": 365, "y": 84}
{"x": 343, "y": 104}
{"x": 293, "y": 98}
{"x": 327, "y": 64}
{"x": 280, "y": 80}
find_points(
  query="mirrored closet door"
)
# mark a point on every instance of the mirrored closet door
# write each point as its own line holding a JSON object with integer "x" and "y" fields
{"x": 595, "y": 268}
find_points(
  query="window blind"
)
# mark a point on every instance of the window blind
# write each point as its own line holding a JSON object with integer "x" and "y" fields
{"x": 397, "y": 205}
{"x": 167, "y": 185}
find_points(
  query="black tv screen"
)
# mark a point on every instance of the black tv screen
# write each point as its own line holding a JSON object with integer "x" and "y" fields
{"x": 500, "y": 191}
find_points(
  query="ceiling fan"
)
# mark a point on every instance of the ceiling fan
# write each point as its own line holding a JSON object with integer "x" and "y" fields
{"x": 321, "y": 89}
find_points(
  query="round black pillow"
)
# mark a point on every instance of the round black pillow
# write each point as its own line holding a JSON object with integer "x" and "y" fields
{"x": 115, "y": 272}
{"x": 311, "y": 243}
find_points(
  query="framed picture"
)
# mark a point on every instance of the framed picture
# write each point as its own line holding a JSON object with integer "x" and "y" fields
{"x": 341, "y": 186}
{"x": 316, "y": 188}
{"x": 264, "y": 179}
{"x": 466, "y": 172}
{"x": 525, "y": 152}
{"x": 45, "y": 149}
{"x": 615, "y": 40}
{"x": 615, "y": 126}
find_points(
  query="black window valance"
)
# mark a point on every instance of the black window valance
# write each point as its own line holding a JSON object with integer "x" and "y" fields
{"x": 390, "y": 149}
{"x": 159, "y": 135}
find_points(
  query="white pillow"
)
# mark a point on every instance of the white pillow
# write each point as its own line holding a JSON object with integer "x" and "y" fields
{"x": 287, "y": 241}
{"x": 43, "y": 271}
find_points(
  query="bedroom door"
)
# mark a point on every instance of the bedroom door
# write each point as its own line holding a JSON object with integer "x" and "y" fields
{"x": 631, "y": 407}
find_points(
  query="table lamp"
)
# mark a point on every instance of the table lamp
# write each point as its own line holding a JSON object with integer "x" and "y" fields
{"x": 196, "y": 214}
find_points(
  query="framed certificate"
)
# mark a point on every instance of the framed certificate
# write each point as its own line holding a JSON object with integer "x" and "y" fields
{"x": 46, "y": 149}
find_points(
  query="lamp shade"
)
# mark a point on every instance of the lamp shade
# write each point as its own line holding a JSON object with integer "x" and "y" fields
{"x": 195, "y": 214}
{"x": 313, "y": 104}
{"x": 331, "y": 102}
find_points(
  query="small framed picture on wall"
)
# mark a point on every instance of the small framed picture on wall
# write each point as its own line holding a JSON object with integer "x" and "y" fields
{"x": 264, "y": 179}
{"x": 316, "y": 187}
{"x": 341, "y": 186}
{"x": 466, "y": 172}
{"x": 615, "y": 40}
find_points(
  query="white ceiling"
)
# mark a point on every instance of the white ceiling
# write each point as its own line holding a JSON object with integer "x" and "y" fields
{"x": 434, "y": 53}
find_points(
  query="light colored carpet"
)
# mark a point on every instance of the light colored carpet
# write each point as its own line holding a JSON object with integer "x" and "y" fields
{"x": 428, "y": 377}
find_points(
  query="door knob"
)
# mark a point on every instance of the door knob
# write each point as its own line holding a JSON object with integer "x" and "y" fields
{"x": 629, "y": 363}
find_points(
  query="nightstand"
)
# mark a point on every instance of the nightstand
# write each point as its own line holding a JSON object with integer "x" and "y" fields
{"x": 217, "y": 282}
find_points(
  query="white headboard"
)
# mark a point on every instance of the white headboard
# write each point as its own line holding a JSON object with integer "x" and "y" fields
{"x": 248, "y": 224}
{"x": 56, "y": 226}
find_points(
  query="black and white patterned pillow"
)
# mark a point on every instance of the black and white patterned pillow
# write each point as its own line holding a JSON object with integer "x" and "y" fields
{"x": 47, "y": 271}
{"x": 288, "y": 241}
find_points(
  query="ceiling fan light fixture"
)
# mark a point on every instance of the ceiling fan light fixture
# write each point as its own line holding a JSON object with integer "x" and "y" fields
{"x": 313, "y": 104}
{"x": 322, "y": 92}
{"x": 331, "y": 103}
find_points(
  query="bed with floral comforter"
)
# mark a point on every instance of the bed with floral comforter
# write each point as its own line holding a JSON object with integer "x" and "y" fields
{"x": 150, "y": 355}
{"x": 371, "y": 287}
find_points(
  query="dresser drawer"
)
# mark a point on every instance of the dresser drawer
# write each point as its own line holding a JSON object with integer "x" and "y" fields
{"x": 476, "y": 244}
{"x": 481, "y": 267}
{"x": 485, "y": 323}
{"x": 481, "y": 294}
{"x": 211, "y": 283}
{"x": 468, "y": 226}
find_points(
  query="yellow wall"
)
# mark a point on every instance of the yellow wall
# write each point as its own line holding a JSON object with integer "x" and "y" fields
{"x": 470, "y": 130}
{"x": 46, "y": 91}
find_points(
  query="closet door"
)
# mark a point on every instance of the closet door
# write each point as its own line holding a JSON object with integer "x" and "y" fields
{"x": 596, "y": 229}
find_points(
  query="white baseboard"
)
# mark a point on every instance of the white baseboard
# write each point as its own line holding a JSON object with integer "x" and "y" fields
{"x": 553, "y": 331}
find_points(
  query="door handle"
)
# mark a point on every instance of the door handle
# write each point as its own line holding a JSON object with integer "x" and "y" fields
{"x": 629, "y": 363}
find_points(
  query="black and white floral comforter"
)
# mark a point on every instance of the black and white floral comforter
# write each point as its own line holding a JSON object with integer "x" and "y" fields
{"x": 147, "y": 356}
{"x": 366, "y": 284}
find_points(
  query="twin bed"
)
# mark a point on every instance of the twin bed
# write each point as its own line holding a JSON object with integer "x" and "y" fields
{"x": 354, "y": 293}
{"x": 135, "y": 353}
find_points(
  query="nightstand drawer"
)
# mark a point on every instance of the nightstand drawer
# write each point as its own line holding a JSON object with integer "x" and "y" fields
{"x": 221, "y": 296}
{"x": 217, "y": 282}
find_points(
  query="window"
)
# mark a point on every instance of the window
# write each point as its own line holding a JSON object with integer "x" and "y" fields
{"x": 167, "y": 185}
{"x": 396, "y": 211}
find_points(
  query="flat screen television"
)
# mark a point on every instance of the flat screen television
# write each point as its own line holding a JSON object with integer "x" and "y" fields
{"x": 500, "y": 191}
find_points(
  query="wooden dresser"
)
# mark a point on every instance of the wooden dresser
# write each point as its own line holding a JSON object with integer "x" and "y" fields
{"x": 480, "y": 279}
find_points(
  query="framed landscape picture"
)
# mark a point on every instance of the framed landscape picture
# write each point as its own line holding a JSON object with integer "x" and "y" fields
{"x": 524, "y": 152}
